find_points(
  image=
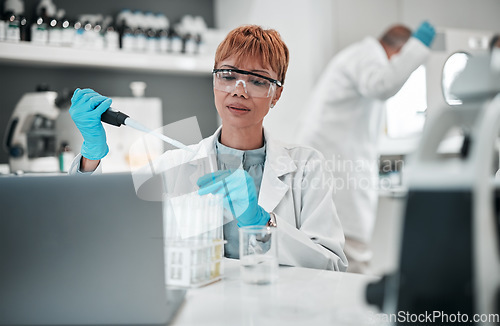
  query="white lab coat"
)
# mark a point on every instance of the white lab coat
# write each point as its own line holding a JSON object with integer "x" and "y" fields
{"x": 343, "y": 121}
{"x": 295, "y": 186}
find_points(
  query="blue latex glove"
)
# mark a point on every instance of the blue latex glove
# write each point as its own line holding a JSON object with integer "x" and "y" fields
{"x": 86, "y": 109}
{"x": 425, "y": 33}
{"x": 240, "y": 195}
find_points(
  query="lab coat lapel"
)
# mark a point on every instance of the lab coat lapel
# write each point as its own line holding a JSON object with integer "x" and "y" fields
{"x": 278, "y": 164}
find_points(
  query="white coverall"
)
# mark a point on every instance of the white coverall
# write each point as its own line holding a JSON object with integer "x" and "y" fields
{"x": 295, "y": 186}
{"x": 343, "y": 122}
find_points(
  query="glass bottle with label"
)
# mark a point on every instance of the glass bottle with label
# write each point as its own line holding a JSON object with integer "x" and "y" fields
{"x": 152, "y": 40}
{"x": 126, "y": 31}
{"x": 79, "y": 34}
{"x": 56, "y": 29}
{"x": 200, "y": 32}
{"x": 68, "y": 31}
{"x": 111, "y": 35}
{"x": 162, "y": 33}
{"x": 39, "y": 29}
{"x": 139, "y": 31}
{"x": 121, "y": 22}
{"x": 65, "y": 157}
{"x": 13, "y": 31}
{"x": 23, "y": 28}
{"x": 3, "y": 26}
{"x": 87, "y": 29}
{"x": 189, "y": 44}
{"x": 175, "y": 41}
{"x": 14, "y": 13}
{"x": 98, "y": 34}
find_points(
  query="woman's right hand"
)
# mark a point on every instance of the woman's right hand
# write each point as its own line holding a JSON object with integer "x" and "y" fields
{"x": 86, "y": 109}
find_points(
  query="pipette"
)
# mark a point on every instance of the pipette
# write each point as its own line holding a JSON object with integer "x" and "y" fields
{"x": 117, "y": 118}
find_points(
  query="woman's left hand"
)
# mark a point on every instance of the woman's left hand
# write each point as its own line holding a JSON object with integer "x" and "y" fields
{"x": 240, "y": 195}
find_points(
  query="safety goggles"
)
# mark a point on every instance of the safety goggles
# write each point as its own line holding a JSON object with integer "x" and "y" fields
{"x": 255, "y": 85}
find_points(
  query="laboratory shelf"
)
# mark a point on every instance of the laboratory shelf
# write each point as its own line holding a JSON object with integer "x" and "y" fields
{"x": 29, "y": 54}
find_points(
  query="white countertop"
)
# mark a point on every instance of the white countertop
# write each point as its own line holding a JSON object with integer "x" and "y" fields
{"x": 301, "y": 296}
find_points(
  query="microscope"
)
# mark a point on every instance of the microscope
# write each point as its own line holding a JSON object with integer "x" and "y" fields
{"x": 449, "y": 259}
{"x": 31, "y": 137}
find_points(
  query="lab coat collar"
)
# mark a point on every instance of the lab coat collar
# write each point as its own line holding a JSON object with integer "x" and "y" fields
{"x": 278, "y": 163}
{"x": 277, "y": 158}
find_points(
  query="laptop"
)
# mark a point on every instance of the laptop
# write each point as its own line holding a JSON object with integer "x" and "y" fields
{"x": 81, "y": 250}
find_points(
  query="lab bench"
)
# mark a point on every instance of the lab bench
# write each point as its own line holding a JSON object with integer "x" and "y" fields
{"x": 300, "y": 296}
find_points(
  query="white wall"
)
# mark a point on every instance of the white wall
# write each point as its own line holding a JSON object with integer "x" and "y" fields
{"x": 355, "y": 19}
{"x": 315, "y": 30}
{"x": 468, "y": 14}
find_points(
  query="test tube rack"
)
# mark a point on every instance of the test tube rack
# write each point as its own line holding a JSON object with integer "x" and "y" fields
{"x": 194, "y": 245}
{"x": 194, "y": 264}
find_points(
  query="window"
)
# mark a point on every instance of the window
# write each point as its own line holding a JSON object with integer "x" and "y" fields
{"x": 405, "y": 111}
{"x": 451, "y": 69}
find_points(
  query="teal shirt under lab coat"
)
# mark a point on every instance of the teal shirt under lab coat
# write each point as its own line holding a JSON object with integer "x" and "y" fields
{"x": 252, "y": 161}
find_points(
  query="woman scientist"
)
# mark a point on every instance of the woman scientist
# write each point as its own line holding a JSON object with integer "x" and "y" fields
{"x": 263, "y": 181}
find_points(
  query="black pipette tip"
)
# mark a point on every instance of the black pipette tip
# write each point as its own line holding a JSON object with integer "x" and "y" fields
{"x": 115, "y": 118}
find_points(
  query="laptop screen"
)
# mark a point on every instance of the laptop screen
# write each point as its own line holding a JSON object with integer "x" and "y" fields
{"x": 80, "y": 250}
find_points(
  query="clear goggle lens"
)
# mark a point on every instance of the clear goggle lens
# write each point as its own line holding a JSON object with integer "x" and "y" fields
{"x": 227, "y": 80}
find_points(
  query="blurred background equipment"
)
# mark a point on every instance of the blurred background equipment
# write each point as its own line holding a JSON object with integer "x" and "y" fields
{"x": 450, "y": 245}
{"x": 426, "y": 92}
{"x": 68, "y": 44}
{"x": 31, "y": 138}
{"x": 130, "y": 30}
{"x": 41, "y": 137}
{"x": 146, "y": 110}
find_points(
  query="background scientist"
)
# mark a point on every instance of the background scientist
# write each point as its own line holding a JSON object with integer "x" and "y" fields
{"x": 344, "y": 120}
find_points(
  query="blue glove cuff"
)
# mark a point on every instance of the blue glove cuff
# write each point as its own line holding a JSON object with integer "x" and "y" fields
{"x": 263, "y": 218}
{"x": 93, "y": 152}
{"x": 426, "y": 40}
